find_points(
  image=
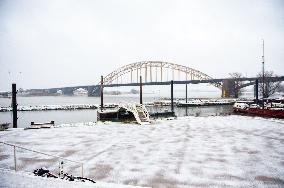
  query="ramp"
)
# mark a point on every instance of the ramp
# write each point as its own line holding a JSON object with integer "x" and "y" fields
{"x": 139, "y": 111}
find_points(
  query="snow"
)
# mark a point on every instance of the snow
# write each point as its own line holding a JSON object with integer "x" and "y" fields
{"x": 215, "y": 151}
{"x": 51, "y": 107}
{"x": 10, "y": 179}
{"x": 112, "y": 105}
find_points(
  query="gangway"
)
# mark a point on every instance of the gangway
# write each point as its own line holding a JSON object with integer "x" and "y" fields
{"x": 139, "y": 111}
{"x": 125, "y": 112}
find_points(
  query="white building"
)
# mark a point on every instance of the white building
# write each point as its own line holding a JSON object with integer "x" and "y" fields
{"x": 80, "y": 92}
{"x": 59, "y": 92}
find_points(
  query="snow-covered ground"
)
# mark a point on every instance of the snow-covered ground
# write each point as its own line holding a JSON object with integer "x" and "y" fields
{"x": 215, "y": 151}
{"x": 10, "y": 179}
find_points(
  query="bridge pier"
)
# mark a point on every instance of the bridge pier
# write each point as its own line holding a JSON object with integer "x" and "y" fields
{"x": 228, "y": 89}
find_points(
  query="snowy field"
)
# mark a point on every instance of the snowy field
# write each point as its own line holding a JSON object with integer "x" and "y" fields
{"x": 228, "y": 151}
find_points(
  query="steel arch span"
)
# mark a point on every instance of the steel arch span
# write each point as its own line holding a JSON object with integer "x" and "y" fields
{"x": 154, "y": 71}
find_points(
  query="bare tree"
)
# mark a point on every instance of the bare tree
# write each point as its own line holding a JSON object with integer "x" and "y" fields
{"x": 267, "y": 88}
{"x": 237, "y": 83}
{"x": 280, "y": 88}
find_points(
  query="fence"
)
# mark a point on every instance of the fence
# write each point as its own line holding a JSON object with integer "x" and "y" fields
{"x": 19, "y": 158}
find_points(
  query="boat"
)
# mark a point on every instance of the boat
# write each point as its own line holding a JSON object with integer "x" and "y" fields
{"x": 191, "y": 103}
{"x": 4, "y": 126}
{"x": 211, "y": 102}
{"x": 162, "y": 103}
{"x": 265, "y": 107}
{"x": 40, "y": 125}
{"x": 125, "y": 112}
{"x": 269, "y": 108}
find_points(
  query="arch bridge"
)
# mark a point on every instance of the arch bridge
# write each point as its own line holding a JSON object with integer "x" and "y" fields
{"x": 155, "y": 72}
{"x": 161, "y": 73}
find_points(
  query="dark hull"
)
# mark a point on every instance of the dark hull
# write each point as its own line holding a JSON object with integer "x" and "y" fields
{"x": 120, "y": 115}
{"x": 261, "y": 112}
{"x": 206, "y": 104}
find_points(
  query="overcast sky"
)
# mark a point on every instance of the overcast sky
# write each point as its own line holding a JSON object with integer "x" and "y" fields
{"x": 51, "y": 43}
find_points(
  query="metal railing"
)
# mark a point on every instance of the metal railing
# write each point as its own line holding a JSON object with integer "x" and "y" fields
{"x": 38, "y": 152}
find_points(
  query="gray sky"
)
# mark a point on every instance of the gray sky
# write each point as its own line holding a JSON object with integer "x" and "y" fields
{"x": 51, "y": 43}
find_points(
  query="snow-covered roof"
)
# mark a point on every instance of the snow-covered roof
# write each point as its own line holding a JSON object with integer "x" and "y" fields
{"x": 80, "y": 89}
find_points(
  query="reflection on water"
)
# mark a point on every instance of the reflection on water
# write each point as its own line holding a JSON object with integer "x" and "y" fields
{"x": 61, "y": 100}
{"x": 75, "y": 116}
{"x": 195, "y": 111}
{"x": 60, "y": 117}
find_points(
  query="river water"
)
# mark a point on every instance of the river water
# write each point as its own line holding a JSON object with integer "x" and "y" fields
{"x": 76, "y": 116}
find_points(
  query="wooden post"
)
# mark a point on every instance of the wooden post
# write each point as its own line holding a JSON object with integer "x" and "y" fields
{"x": 14, "y": 105}
{"x": 141, "y": 101}
{"x": 102, "y": 92}
{"x": 172, "y": 95}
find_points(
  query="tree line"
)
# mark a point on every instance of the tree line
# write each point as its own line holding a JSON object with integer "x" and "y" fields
{"x": 266, "y": 88}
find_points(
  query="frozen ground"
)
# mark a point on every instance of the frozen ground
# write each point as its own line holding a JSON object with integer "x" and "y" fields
{"x": 230, "y": 151}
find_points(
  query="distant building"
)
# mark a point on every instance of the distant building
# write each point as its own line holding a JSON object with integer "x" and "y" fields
{"x": 80, "y": 92}
{"x": 59, "y": 92}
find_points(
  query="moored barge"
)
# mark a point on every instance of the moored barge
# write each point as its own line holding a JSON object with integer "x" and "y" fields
{"x": 269, "y": 108}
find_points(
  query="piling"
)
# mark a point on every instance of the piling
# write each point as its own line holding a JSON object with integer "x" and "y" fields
{"x": 186, "y": 99}
{"x": 141, "y": 101}
{"x": 102, "y": 92}
{"x": 14, "y": 106}
{"x": 172, "y": 95}
{"x": 185, "y": 93}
